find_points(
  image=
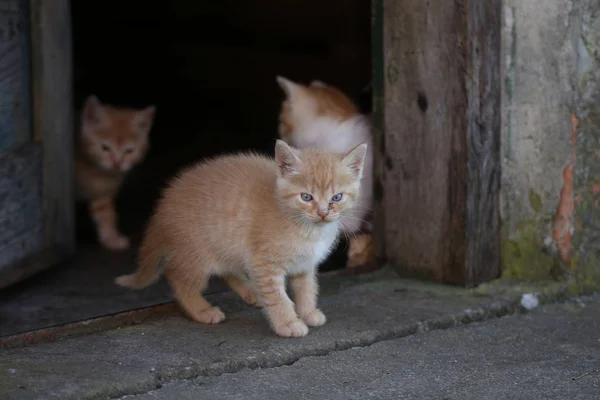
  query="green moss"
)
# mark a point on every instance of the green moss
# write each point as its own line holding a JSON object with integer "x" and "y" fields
{"x": 535, "y": 201}
{"x": 586, "y": 272}
{"x": 522, "y": 255}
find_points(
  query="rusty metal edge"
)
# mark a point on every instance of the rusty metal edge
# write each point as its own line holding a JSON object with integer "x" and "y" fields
{"x": 131, "y": 317}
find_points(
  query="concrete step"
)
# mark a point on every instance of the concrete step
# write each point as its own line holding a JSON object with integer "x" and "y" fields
{"x": 553, "y": 353}
{"x": 361, "y": 310}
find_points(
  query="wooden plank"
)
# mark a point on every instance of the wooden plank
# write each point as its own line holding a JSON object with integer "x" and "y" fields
{"x": 442, "y": 130}
{"x": 483, "y": 138}
{"x": 21, "y": 219}
{"x": 53, "y": 118}
{"x": 14, "y": 75}
{"x": 378, "y": 120}
{"x": 21, "y": 223}
{"x": 30, "y": 265}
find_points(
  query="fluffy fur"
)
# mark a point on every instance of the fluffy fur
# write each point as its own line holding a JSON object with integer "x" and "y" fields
{"x": 321, "y": 116}
{"x": 110, "y": 143}
{"x": 252, "y": 221}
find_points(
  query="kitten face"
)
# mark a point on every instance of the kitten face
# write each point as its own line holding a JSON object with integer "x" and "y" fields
{"x": 305, "y": 103}
{"x": 115, "y": 139}
{"x": 316, "y": 186}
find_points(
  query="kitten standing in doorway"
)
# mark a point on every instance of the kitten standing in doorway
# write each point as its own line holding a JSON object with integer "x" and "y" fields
{"x": 111, "y": 141}
{"x": 253, "y": 221}
{"x": 320, "y": 115}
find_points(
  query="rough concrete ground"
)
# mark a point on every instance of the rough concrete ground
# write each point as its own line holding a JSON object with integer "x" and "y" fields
{"x": 550, "y": 354}
{"x": 385, "y": 338}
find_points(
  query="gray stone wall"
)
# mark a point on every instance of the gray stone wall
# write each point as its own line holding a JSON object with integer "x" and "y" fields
{"x": 550, "y": 135}
{"x": 586, "y": 237}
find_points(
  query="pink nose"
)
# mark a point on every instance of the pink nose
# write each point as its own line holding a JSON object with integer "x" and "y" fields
{"x": 114, "y": 160}
{"x": 322, "y": 214}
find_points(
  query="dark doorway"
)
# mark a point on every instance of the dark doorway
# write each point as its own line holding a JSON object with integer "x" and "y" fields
{"x": 210, "y": 69}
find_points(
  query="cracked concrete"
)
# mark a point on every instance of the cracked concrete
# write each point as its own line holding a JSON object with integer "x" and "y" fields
{"x": 553, "y": 353}
{"x": 362, "y": 311}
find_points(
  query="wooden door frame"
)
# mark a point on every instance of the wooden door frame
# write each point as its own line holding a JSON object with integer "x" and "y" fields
{"x": 53, "y": 120}
{"x": 437, "y": 113}
{"x": 51, "y": 84}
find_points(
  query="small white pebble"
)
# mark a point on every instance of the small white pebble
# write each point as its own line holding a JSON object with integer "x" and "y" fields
{"x": 529, "y": 301}
{"x": 12, "y": 370}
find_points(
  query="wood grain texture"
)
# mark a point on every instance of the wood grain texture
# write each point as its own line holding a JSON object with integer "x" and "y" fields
{"x": 483, "y": 137}
{"x": 377, "y": 118}
{"x": 21, "y": 222}
{"x": 53, "y": 118}
{"x": 14, "y": 75}
{"x": 442, "y": 130}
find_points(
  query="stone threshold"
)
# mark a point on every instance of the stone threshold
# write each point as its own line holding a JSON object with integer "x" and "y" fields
{"x": 362, "y": 310}
{"x": 128, "y": 318}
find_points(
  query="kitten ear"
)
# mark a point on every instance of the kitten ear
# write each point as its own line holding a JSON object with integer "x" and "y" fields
{"x": 354, "y": 160}
{"x": 144, "y": 118}
{"x": 286, "y": 158}
{"x": 290, "y": 88}
{"x": 93, "y": 115}
{"x": 318, "y": 84}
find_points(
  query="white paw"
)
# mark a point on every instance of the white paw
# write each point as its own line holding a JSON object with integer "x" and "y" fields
{"x": 314, "y": 318}
{"x": 115, "y": 242}
{"x": 296, "y": 328}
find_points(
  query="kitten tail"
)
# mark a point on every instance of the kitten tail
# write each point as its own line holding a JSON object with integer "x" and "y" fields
{"x": 152, "y": 261}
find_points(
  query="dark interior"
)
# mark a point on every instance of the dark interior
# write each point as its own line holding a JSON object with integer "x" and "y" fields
{"x": 210, "y": 69}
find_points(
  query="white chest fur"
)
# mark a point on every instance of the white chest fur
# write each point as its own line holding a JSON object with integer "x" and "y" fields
{"x": 314, "y": 252}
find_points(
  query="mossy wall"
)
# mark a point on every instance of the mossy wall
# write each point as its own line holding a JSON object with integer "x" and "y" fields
{"x": 551, "y": 140}
{"x": 586, "y": 232}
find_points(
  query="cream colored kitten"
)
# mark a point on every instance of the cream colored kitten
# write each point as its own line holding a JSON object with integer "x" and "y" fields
{"x": 319, "y": 115}
{"x": 112, "y": 141}
{"x": 253, "y": 221}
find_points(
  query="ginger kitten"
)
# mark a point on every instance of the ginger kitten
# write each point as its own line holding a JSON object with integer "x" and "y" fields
{"x": 111, "y": 141}
{"x": 253, "y": 221}
{"x": 320, "y": 115}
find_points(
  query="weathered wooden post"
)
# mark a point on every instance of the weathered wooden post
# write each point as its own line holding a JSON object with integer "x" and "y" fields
{"x": 36, "y": 183}
{"x": 438, "y": 103}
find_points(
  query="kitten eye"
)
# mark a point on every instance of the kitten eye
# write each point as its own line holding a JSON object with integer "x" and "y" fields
{"x": 336, "y": 198}
{"x": 306, "y": 197}
{"x": 105, "y": 147}
{"x": 128, "y": 151}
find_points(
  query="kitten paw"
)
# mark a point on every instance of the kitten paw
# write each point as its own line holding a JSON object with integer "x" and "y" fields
{"x": 314, "y": 318}
{"x": 213, "y": 315}
{"x": 295, "y": 328}
{"x": 250, "y": 298}
{"x": 115, "y": 243}
{"x": 361, "y": 251}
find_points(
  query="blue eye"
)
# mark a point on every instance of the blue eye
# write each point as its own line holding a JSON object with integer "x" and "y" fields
{"x": 336, "y": 198}
{"x": 306, "y": 197}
